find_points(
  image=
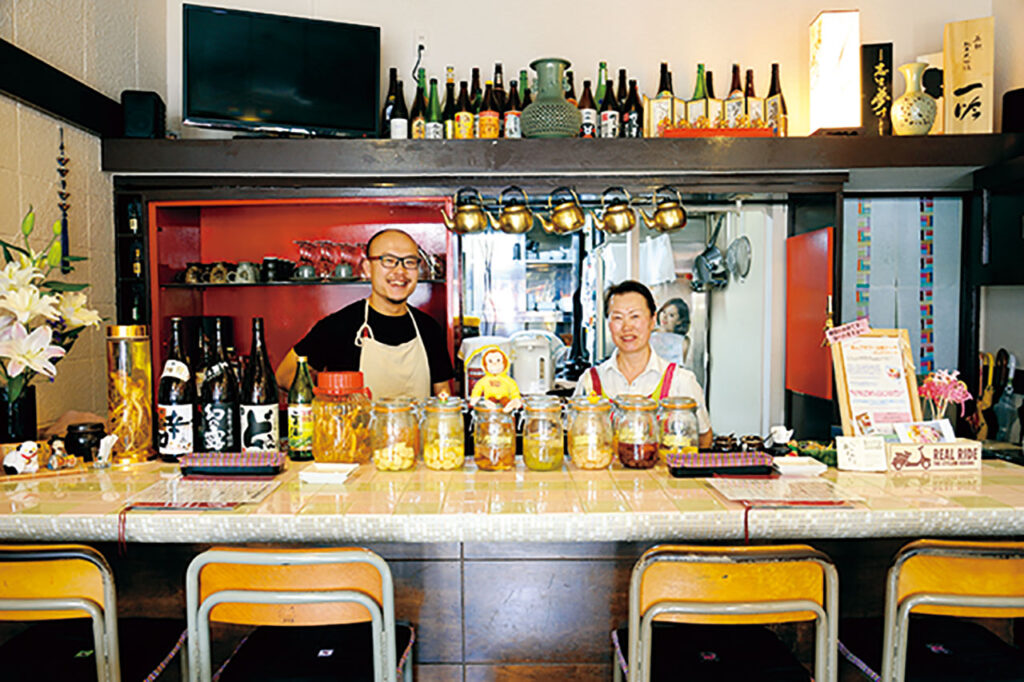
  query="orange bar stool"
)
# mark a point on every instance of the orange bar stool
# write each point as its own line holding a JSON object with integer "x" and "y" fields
{"x": 321, "y": 613}
{"x": 57, "y": 582}
{"x": 964, "y": 579}
{"x": 698, "y": 613}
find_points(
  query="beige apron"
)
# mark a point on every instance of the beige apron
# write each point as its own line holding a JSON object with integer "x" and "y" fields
{"x": 393, "y": 371}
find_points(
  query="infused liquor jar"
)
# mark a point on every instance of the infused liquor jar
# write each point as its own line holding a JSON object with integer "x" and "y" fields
{"x": 435, "y": 124}
{"x": 543, "y": 446}
{"x": 494, "y": 437}
{"x": 418, "y": 113}
{"x": 590, "y": 432}
{"x": 636, "y": 433}
{"x": 633, "y": 114}
{"x": 490, "y": 125}
{"x": 176, "y": 398}
{"x": 444, "y": 436}
{"x": 389, "y": 103}
{"x": 218, "y": 400}
{"x": 399, "y": 122}
{"x": 258, "y": 412}
{"x": 341, "y": 418}
{"x": 588, "y": 113}
{"x": 678, "y": 433}
{"x": 130, "y": 392}
{"x": 513, "y": 116}
{"x": 394, "y": 435}
{"x": 775, "y": 114}
{"x": 300, "y": 413}
{"x": 658, "y": 110}
{"x": 464, "y": 115}
{"x": 609, "y": 114}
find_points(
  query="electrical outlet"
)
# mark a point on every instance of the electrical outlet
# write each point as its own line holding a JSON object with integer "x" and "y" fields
{"x": 419, "y": 45}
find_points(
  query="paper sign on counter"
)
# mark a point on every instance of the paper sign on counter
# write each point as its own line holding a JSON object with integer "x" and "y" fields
{"x": 861, "y": 453}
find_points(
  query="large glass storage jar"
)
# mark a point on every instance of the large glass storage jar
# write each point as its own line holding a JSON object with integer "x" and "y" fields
{"x": 130, "y": 392}
{"x": 636, "y": 431}
{"x": 590, "y": 433}
{"x": 444, "y": 434}
{"x": 677, "y": 428}
{"x": 341, "y": 418}
{"x": 395, "y": 435}
{"x": 543, "y": 449}
{"x": 494, "y": 438}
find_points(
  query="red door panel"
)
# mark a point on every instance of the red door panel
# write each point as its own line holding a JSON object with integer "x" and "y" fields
{"x": 808, "y": 288}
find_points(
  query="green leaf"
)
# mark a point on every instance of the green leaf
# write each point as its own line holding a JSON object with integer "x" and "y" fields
{"x": 74, "y": 259}
{"x": 57, "y": 229}
{"x": 56, "y": 285}
{"x": 15, "y": 386}
{"x": 28, "y": 222}
{"x": 8, "y": 245}
{"x": 53, "y": 255}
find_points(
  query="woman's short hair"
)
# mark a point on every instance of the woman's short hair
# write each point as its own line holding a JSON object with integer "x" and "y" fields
{"x": 629, "y": 287}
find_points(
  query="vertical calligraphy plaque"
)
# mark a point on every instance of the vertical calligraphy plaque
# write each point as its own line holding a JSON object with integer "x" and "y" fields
{"x": 876, "y": 88}
{"x": 968, "y": 63}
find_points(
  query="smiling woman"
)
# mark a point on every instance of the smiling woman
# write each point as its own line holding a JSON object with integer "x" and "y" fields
{"x": 635, "y": 368}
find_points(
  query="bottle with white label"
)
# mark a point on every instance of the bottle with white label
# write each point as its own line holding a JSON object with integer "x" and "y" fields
{"x": 176, "y": 399}
{"x": 609, "y": 115}
{"x": 218, "y": 399}
{"x": 399, "y": 124}
{"x": 258, "y": 413}
{"x": 588, "y": 113}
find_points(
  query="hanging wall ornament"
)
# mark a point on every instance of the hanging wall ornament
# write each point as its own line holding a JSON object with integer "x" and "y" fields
{"x": 63, "y": 193}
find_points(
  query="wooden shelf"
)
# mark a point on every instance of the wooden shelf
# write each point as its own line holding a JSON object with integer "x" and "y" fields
{"x": 705, "y": 164}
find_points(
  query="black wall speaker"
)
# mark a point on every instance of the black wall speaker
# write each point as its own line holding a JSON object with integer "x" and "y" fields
{"x": 1013, "y": 111}
{"x": 144, "y": 114}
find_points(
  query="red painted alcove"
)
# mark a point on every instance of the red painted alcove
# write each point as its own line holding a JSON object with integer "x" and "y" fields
{"x": 183, "y": 232}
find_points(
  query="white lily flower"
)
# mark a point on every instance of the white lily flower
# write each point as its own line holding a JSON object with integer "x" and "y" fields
{"x": 26, "y": 304}
{"x": 30, "y": 350}
{"x": 71, "y": 307}
{"x": 16, "y": 276}
{"x": 6, "y": 325}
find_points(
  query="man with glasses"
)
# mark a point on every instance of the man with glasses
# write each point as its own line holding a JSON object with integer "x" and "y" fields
{"x": 401, "y": 351}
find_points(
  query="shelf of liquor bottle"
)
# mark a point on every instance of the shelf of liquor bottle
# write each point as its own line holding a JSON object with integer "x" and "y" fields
{"x": 289, "y": 283}
{"x": 694, "y": 161}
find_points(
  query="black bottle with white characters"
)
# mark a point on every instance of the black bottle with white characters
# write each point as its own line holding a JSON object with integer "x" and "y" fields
{"x": 176, "y": 397}
{"x": 218, "y": 400}
{"x": 258, "y": 416}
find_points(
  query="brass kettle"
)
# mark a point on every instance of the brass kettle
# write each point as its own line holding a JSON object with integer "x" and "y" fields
{"x": 514, "y": 217}
{"x": 669, "y": 213}
{"x": 617, "y": 216}
{"x": 470, "y": 215}
{"x": 567, "y": 216}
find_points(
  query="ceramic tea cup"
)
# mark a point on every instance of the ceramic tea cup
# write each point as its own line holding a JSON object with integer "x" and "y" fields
{"x": 197, "y": 273}
{"x": 305, "y": 271}
{"x": 219, "y": 273}
{"x": 245, "y": 273}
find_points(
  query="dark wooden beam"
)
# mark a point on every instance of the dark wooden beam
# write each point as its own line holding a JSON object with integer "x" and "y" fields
{"x": 30, "y": 80}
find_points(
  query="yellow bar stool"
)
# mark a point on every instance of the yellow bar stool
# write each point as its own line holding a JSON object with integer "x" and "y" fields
{"x": 680, "y": 596}
{"x": 328, "y": 611}
{"x": 953, "y": 578}
{"x": 56, "y": 582}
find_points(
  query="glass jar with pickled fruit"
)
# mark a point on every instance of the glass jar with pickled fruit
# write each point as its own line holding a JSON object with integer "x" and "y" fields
{"x": 543, "y": 449}
{"x": 494, "y": 438}
{"x": 394, "y": 434}
{"x": 444, "y": 434}
{"x": 130, "y": 392}
{"x": 590, "y": 432}
{"x": 677, "y": 428}
{"x": 636, "y": 431}
{"x": 341, "y": 418}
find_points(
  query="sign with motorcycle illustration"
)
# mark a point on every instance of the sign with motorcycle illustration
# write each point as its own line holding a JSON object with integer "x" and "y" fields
{"x": 956, "y": 456}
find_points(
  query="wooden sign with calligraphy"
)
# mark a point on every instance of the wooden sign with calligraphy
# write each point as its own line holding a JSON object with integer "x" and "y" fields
{"x": 876, "y": 88}
{"x": 968, "y": 64}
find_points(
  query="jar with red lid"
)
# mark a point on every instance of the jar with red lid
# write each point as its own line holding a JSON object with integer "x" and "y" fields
{"x": 636, "y": 431}
{"x": 341, "y": 418}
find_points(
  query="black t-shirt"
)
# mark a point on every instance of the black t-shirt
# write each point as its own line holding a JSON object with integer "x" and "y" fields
{"x": 330, "y": 344}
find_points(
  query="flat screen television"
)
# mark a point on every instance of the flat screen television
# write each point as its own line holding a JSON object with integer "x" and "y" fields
{"x": 273, "y": 73}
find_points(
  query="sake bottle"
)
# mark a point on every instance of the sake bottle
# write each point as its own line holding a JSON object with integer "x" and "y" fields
{"x": 258, "y": 413}
{"x": 300, "y": 413}
{"x": 176, "y": 399}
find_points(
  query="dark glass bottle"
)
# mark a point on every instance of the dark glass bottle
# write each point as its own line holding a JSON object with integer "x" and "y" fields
{"x": 448, "y": 113}
{"x": 749, "y": 89}
{"x": 435, "y": 125}
{"x": 399, "y": 116}
{"x": 258, "y": 414}
{"x": 464, "y": 115}
{"x": 736, "y": 89}
{"x": 300, "y": 413}
{"x": 602, "y": 79}
{"x": 176, "y": 397}
{"x": 389, "y": 103}
{"x": 709, "y": 84}
{"x": 609, "y": 114}
{"x": 698, "y": 88}
{"x": 218, "y": 399}
{"x": 776, "y": 115}
{"x": 633, "y": 113}
{"x": 664, "y": 81}
{"x": 490, "y": 127}
{"x": 512, "y": 118}
{"x": 418, "y": 114}
{"x": 476, "y": 99}
{"x": 622, "y": 90}
{"x": 588, "y": 113}
{"x": 498, "y": 92}
{"x": 570, "y": 90}
{"x": 524, "y": 88}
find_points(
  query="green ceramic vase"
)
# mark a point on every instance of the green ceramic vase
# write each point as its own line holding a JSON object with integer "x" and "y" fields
{"x": 550, "y": 114}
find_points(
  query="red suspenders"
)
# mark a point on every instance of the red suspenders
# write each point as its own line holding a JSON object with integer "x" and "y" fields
{"x": 665, "y": 384}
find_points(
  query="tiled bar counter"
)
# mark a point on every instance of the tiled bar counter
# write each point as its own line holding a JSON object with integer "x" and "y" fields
{"x": 508, "y": 575}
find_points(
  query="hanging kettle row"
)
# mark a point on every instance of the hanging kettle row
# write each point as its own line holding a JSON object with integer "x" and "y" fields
{"x": 565, "y": 213}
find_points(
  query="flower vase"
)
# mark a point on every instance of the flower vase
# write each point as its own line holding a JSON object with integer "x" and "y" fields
{"x": 550, "y": 114}
{"x": 18, "y": 419}
{"x": 913, "y": 112}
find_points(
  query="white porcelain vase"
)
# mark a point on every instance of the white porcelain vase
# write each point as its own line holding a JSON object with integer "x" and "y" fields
{"x": 913, "y": 112}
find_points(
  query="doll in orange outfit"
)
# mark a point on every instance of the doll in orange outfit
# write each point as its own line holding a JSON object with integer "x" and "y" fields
{"x": 496, "y": 386}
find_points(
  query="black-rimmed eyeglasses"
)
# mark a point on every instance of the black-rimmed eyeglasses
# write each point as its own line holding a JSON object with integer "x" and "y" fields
{"x": 390, "y": 262}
